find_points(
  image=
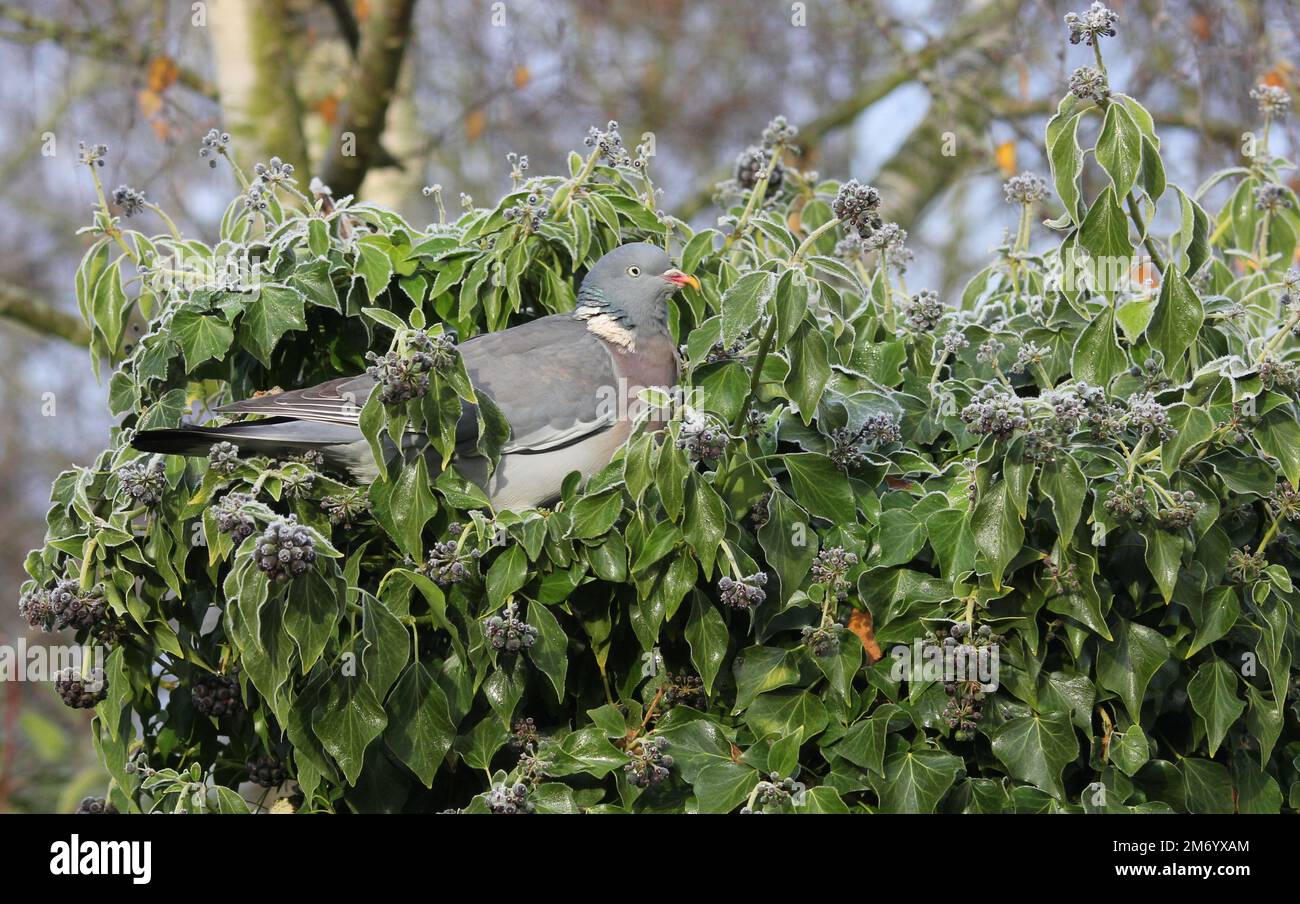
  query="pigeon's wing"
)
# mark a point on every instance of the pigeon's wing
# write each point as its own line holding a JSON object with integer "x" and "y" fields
{"x": 334, "y": 401}
{"x": 552, "y": 379}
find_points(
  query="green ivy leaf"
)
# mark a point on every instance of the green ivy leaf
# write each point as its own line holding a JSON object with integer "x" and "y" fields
{"x": 1177, "y": 318}
{"x": 1097, "y": 356}
{"x": 1104, "y": 232}
{"x": 998, "y": 531}
{"x": 420, "y": 730}
{"x": 1213, "y": 693}
{"x": 276, "y": 311}
{"x": 821, "y": 487}
{"x": 1119, "y": 148}
{"x": 1035, "y": 748}
{"x": 744, "y": 303}
{"x": 551, "y": 651}
{"x": 914, "y": 781}
{"x": 202, "y": 337}
{"x": 707, "y": 635}
{"x": 1126, "y": 665}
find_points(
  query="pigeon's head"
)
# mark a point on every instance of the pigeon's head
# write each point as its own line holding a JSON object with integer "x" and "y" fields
{"x": 632, "y": 284}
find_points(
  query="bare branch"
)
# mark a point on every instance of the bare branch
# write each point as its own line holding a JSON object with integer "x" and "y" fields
{"x": 94, "y": 43}
{"x": 42, "y": 318}
{"x": 386, "y": 34}
{"x": 347, "y": 23}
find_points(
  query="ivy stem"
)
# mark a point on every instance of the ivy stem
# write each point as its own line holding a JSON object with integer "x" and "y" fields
{"x": 1268, "y": 534}
{"x": 812, "y": 237}
{"x": 1133, "y": 456}
{"x": 731, "y": 559}
{"x": 109, "y": 228}
{"x": 756, "y": 377}
{"x": 759, "y": 192}
{"x": 171, "y": 226}
{"x": 87, "y": 574}
{"x": 576, "y": 182}
{"x": 1278, "y": 337}
{"x": 1261, "y": 241}
{"x": 1135, "y": 214}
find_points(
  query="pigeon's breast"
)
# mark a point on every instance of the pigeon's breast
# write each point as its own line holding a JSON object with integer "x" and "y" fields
{"x": 652, "y": 364}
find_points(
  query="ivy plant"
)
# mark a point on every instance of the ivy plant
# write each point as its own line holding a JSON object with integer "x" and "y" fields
{"x": 1082, "y": 474}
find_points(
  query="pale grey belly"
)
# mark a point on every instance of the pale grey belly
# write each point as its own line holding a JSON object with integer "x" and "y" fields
{"x": 521, "y": 480}
{"x": 527, "y": 480}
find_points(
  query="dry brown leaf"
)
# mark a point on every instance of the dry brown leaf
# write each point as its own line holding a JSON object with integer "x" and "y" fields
{"x": 475, "y": 123}
{"x": 1005, "y": 155}
{"x": 522, "y": 75}
{"x": 328, "y": 108}
{"x": 860, "y": 624}
{"x": 150, "y": 102}
{"x": 163, "y": 72}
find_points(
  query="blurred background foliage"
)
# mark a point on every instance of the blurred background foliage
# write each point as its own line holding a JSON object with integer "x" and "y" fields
{"x": 935, "y": 103}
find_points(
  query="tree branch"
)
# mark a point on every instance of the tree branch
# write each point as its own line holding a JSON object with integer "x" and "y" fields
{"x": 94, "y": 43}
{"x": 384, "y": 39}
{"x": 42, "y": 318}
{"x": 847, "y": 111}
{"x": 347, "y": 23}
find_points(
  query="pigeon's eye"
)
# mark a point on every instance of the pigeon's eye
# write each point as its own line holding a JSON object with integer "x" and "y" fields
{"x": 633, "y": 271}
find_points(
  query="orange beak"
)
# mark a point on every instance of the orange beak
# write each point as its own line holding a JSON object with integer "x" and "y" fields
{"x": 679, "y": 279}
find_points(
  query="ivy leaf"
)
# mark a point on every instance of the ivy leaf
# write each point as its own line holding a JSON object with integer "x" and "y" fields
{"x": 593, "y": 516}
{"x": 759, "y": 670}
{"x": 1104, "y": 231}
{"x": 201, "y": 336}
{"x": 1213, "y": 693}
{"x": 900, "y": 538}
{"x": 744, "y": 303}
{"x": 1207, "y": 787}
{"x": 508, "y": 573}
{"x": 375, "y": 267}
{"x": 1214, "y": 618}
{"x": 864, "y": 743}
{"x": 722, "y": 787}
{"x": 784, "y": 712}
{"x": 277, "y": 310}
{"x": 346, "y": 720}
{"x": 821, "y": 487}
{"x": 788, "y": 542}
{"x": 999, "y": 533}
{"x": 914, "y": 781}
{"x": 791, "y": 305}
{"x": 695, "y": 746}
{"x": 707, "y": 635}
{"x": 405, "y": 506}
{"x": 1177, "y": 318}
{"x": 1278, "y": 434}
{"x": 1097, "y": 356}
{"x": 1035, "y": 748}
{"x": 1066, "y": 159}
{"x": 1164, "y": 551}
{"x": 1063, "y": 483}
{"x": 1119, "y": 148}
{"x": 420, "y": 730}
{"x": 311, "y": 616}
{"x": 1256, "y": 791}
{"x": 388, "y": 645}
{"x": 1125, "y": 666}
{"x": 810, "y": 371}
{"x": 1130, "y": 751}
{"x": 551, "y": 651}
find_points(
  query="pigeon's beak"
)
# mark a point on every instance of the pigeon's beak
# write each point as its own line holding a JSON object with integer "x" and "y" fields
{"x": 679, "y": 279}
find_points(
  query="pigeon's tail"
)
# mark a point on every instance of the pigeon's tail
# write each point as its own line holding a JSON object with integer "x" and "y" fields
{"x": 275, "y": 437}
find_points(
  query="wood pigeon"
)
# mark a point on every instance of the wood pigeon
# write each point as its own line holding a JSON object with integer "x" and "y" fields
{"x": 565, "y": 383}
